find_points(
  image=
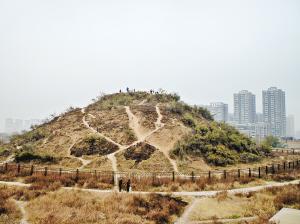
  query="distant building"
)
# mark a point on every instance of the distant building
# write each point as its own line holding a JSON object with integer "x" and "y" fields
{"x": 18, "y": 125}
{"x": 262, "y": 130}
{"x": 298, "y": 134}
{"x": 230, "y": 117}
{"x": 244, "y": 107}
{"x": 290, "y": 126}
{"x": 4, "y": 137}
{"x": 219, "y": 111}
{"x": 259, "y": 117}
{"x": 256, "y": 131}
{"x": 13, "y": 126}
{"x": 274, "y": 110}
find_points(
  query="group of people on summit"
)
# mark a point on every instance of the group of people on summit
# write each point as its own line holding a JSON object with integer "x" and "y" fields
{"x": 128, "y": 91}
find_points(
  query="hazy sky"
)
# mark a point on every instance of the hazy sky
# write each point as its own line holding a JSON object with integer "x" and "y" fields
{"x": 58, "y": 53}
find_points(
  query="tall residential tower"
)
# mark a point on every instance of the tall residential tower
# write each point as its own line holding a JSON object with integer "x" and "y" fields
{"x": 244, "y": 107}
{"x": 274, "y": 111}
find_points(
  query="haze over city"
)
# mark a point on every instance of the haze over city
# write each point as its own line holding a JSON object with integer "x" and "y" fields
{"x": 56, "y": 54}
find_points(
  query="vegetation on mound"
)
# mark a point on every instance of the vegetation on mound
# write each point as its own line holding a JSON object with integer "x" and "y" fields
{"x": 27, "y": 154}
{"x": 93, "y": 144}
{"x": 219, "y": 144}
{"x": 188, "y": 113}
{"x": 29, "y": 137}
{"x": 139, "y": 152}
{"x": 4, "y": 152}
{"x": 107, "y": 102}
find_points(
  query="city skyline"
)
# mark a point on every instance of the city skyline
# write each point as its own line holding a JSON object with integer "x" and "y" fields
{"x": 219, "y": 110}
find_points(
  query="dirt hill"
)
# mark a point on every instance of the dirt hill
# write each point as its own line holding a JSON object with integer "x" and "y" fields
{"x": 135, "y": 131}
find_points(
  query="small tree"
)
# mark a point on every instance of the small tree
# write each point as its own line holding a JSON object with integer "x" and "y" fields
{"x": 272, "y": 141}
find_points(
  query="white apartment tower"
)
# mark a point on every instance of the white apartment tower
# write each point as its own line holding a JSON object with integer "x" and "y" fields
{"x": 274, "y": 111}
{"x": 219, "y": 111}
{"x": 290, "y": 126}
{"x": 244, "y": 107}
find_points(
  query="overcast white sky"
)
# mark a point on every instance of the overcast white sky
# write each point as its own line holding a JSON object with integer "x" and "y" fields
{"x": 58, "y": 53}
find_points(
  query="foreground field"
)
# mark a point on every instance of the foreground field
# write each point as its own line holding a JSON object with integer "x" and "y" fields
{"x": 44, "y": 205}
{"x": 258, "y": 206}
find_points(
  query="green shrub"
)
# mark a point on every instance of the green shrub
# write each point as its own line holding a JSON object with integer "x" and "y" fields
{"x": 4, "y": 152}
{"x": 29, "y": 137}
{"x": 29, "y": 156}
{"x": 249, "y": 157}
{"x": 188, "y": 120}
{"x": 218, "y": 143}
{"x": 272, "y": 141}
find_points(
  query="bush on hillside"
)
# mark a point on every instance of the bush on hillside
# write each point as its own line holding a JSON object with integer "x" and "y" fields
{"x": 29, "y": 137}
{"x": 180, "y": 108}
{"x": 29, "y": 156}
{"x": 219, "y": 144}
{"x": 4, "y": 152}
{"x": 93, "y": 144}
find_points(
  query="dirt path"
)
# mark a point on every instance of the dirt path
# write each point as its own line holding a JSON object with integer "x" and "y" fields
{"x": 135, "y": 125}
{"x": 111, "y": 156}
{"x": 83, "y": 161}
{"x": 165, "y": 151}
{"x": 181, "y": 193}
{"x": 239, "y": 220}
{"x": 21, "y": 205}
{"x": 86, "y": 124}
{"x": 184, "y": 219}
{"x": 142, "y": 102}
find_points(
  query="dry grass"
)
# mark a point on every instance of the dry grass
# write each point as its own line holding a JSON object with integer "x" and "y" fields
{"x": 263, "y": 204}
{"x": 9, "y": 213}
{"x": 100, "y": 163}
{"x": 221, "y": 207}
{"x": 113, "y": 123}
{"x": 72, "y": 207}
{"x": 157, "y": 161}
{"x": 146, "y": 114}
{"x": 100, "y": 181}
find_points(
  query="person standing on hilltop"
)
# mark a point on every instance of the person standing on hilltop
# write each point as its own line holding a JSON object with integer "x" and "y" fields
{"x": 127, "y": 89}
{"x": 128, "y": 186}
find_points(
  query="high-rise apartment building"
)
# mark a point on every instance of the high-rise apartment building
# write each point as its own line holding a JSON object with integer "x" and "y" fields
{"x": 290, "y": 126}
{"x": 274, "y": 111}
{"x": 244, "y": 107}
{"x": 219, "y": 111}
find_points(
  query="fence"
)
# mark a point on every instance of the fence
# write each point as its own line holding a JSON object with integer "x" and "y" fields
{"x": 150, "y": 178}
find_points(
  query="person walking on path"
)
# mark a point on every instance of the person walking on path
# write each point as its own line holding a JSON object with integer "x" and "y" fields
{"x": 128, "y": 186}
{"x": 120, "y": 185}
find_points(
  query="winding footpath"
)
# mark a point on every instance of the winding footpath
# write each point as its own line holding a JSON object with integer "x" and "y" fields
{"x": 141, "y": 137}
{"x": 21, "y": 205}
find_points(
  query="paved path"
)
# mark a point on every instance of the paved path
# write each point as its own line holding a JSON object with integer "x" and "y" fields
{"x": 239, "y": 220}
{"x": 181, "y": 193}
